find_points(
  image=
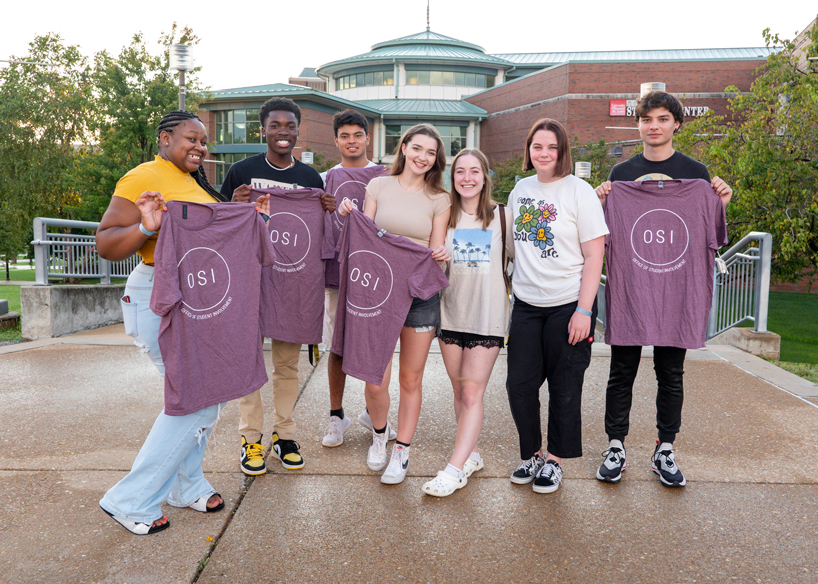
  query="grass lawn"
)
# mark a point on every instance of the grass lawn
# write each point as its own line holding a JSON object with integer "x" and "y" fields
{"x": 795, "y": 317}
{"x": 12, "y": 294}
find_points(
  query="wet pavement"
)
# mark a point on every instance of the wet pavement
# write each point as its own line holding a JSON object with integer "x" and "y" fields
{"x": 77, "y": 409}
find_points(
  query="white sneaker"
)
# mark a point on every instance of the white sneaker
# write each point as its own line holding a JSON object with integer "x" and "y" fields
{"x": 365, "y": 421}
{"x": 376, "y": 458}
{"x": 396, "y": 471}
{"x": 335, "y": 431}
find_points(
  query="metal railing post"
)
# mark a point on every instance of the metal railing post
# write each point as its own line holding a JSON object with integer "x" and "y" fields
{"x": 41, "y": 252}
{"x": 762, "y": 288}
{"x": 713, "y": 317}
{"x": 104, "y": 271}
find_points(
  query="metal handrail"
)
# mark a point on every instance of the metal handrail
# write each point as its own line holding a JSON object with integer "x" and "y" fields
{"x": 740, "y": 295}
{"x": 69, "y": 255}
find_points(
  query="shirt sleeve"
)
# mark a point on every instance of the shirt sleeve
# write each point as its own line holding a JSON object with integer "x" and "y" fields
{"x": 442, "y": 203}
{"x": 328, "y": 238}
{"x": 590, "y": 217}
{"x": 373, "y": 189}
{"x": 717, "y": 236}
{"x": 427, "y": 279}
{"x": 166, "y": 293}
{"x": 266, "y": 253}
{"x": 135, "y": 183}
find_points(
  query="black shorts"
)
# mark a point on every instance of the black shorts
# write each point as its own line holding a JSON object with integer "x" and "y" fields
{"x": 424, "y": 313}
{"x": 469, "y": 340}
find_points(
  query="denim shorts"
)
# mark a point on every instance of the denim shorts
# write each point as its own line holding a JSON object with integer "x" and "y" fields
{"x": 424, "y": 313}
{"x": 469, "y": 340}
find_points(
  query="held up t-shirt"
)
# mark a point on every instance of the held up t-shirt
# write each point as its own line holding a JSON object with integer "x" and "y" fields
{"x": 380, "y": 275}
{"x": 551, "y": 221}
{"x": 292, "y": 308}
{"x": 207, "y": 284}
{"x": 661, "y": 253}
{"x": 346, "y": 183}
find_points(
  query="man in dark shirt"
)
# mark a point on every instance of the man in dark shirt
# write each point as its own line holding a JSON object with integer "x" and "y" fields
{"x": 280, "y": 118}
{"x": 659, "y": 116}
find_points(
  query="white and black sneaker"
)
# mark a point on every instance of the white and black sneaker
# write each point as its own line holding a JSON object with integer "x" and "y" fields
{"x": 548, "y": 478}
{"x": 527, "y": 470}
{"x": 663, "y": 463}
{"x": 611, "y": 468}
{"x": 398, "y": 465}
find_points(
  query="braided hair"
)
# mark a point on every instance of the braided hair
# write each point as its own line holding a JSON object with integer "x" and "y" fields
{"x": 170, "y": 121}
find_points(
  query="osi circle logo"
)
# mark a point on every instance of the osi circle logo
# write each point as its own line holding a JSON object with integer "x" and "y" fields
{"x": 659, "y": 237}
{"x": 290, "y": 237}
{"x": 370, "y": 280}
{"x": 204, "y": 279}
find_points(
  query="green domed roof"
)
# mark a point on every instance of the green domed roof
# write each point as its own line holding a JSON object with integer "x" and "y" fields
{"x": 424, "y": 46}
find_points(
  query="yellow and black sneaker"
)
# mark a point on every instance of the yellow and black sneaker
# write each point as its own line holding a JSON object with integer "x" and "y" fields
{"x": 287, "y": 452}
{"x": 252, "y": 457}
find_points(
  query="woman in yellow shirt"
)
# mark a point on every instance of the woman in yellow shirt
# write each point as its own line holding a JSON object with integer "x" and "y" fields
{"x": 169, "y": 464}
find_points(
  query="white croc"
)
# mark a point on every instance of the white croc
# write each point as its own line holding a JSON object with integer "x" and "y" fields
{"x": 443, "y": 485}
{"x": 471, "y": 466}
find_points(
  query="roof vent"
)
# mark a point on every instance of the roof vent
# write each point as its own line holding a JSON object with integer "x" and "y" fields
{"x": 651, "y": 86}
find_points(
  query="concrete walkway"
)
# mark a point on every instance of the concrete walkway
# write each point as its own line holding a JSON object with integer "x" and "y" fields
{"x": 77, "y": 409}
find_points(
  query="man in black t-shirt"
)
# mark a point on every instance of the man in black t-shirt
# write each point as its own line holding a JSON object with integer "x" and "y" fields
{"x": 659, "y": 116}
{"x": 277, "y": 167}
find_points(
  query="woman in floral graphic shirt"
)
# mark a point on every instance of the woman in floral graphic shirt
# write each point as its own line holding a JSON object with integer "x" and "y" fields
{"x": 559, "y": 238}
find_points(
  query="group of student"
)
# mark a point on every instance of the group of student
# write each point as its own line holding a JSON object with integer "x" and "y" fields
{"x": 555, "y": 230}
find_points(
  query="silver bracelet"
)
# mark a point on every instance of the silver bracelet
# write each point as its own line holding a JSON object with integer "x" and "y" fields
{"x": 583, "y": 311}
{"x": 145, "y": 231}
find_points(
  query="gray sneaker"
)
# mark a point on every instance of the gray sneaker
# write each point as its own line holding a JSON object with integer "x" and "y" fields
{"x": 527, "y": 470}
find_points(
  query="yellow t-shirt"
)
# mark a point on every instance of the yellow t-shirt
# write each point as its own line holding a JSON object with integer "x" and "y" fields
{"x": 403, "y": 213}
{"x": 166, "y": 179}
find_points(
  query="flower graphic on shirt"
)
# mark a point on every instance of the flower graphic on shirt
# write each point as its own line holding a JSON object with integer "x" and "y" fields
{"x": 548, "y": 213}
{"x": 527, "y": 218}
{"x": 542, "y": 236}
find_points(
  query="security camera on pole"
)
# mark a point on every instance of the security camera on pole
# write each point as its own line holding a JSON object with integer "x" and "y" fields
{"x": 181, "y": 59}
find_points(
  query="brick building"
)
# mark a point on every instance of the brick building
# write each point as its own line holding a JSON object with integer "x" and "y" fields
{"x": 475, "y": 99}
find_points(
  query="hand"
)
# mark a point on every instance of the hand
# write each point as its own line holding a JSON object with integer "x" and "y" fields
{"x": 263, "y": 204}
{"x": 328, "y": 201}
{"x": 346, "y": 207}
{"x": 241, "y": 194}
{"x": 602, "y": 191}
{"x": 579, "y": 328}
{"x": 724, "y": 192}
{"x": 439, "y": 254}
{"x": 151, "y": 204}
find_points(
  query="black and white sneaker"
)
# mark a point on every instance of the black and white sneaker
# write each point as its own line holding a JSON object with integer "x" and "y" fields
{"x": 527, "y": 470}
{"x": 549, "y": 478}
{"x": 663, "y": 463}
{"x": 611, "y": 468}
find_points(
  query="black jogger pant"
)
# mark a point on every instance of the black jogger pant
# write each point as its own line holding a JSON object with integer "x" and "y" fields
{"x": 538, "y": 350}
{"x": 668, "y": 362}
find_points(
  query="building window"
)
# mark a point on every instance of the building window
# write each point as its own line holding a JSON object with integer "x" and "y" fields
{"x": 223, "y": 164}
{"x": 374, "y": 78}
{"x": 449, "y": 78}
{"x": 238, "y": 127}
{"x": 454, "y": 137}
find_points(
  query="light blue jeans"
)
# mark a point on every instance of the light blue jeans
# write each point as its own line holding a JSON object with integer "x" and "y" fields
{"x": 168, "y": 467}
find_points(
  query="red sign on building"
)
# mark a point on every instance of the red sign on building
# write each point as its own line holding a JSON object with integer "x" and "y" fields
{"x": 619, "y": 107}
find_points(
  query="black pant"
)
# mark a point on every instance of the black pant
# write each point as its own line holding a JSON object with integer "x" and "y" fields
{"x": 668, "y": 362}
{"x": 538, "y": 349}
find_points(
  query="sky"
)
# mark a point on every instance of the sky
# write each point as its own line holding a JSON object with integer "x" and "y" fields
{"x": 243, "y": 46}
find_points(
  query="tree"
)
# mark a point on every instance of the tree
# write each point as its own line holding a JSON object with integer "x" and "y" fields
{"x": 45, "y": 104}
{"x": 132, "y": 93}
{"x": 767, "y": 150}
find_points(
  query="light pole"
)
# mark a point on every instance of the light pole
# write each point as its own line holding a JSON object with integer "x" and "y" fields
{"x": 182, "y": 60}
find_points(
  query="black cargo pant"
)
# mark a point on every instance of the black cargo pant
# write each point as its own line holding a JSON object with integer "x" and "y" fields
{"x": 668, "y": 362}
{"x": 538, "y": 350}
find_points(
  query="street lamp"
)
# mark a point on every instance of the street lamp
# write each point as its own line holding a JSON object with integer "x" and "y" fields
{"x": 181, "y": 60}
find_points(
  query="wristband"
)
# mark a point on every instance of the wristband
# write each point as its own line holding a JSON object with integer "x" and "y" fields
{"x": 583, "y": 311}
{"x": 145, "y": 231}
{"x": 265, "y": 216}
